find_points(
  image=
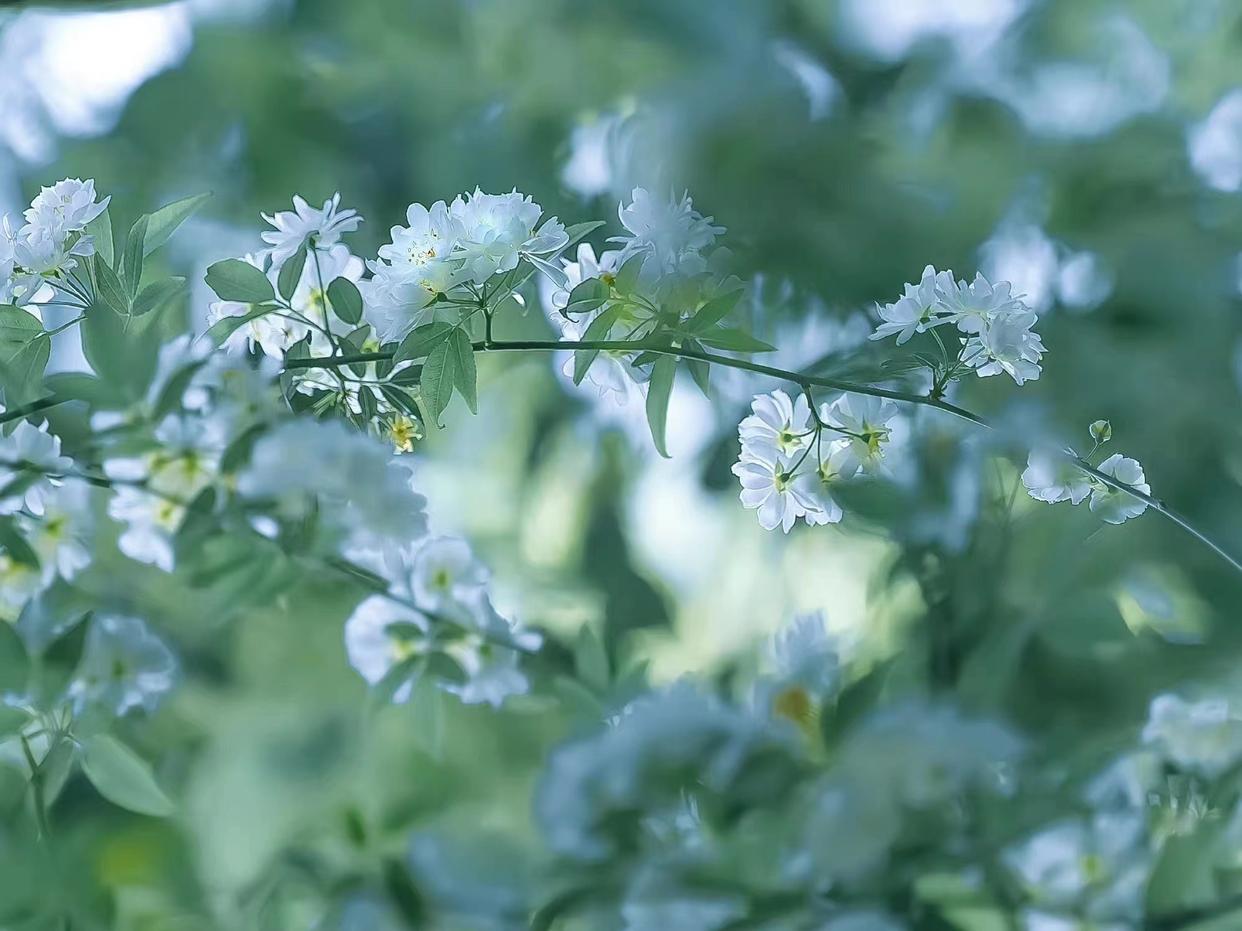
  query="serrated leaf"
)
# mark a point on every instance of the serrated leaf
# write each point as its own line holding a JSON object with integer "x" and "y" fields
{"x": 422, "y": 340}
{"x": 587, "y": 296}
{"x": 100, "y": 231}
{"x": 659, "y": 390}
{"x": 439, "y": 376}
{"x": 162, "y": 223}
{"x": 157, "y": 295}
{"x": 123, "y": 777}
{"x": 291, "y": 272}
{"x": 109, "y": 288}
{"x": 346, "y": 300}
{"x": 134, "y": 253}
{"x": 235, "y": 280}
{"x": 714, "y": 311}
{"x": 467, "y": 375}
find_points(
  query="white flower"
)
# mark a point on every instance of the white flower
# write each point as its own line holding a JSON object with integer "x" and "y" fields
{"x": 1204, "y": 737}
{"x": 381, "y": 633}
{"x": 972, "y": 306}
{"x": 444, "y": 575}
{"x": 292, "y": 227}
{"x": 1111, "y": 504}
{"x": 1006, "y": 344}
{"x": 124, "y": 666}
{"x": 40, "y": 252}
{"x": 803, "y": 651}
{"x": 670, "y": 235}
{"x": 65, "y": 207}
{"x": 1051, "y": 476}
{"x": 865, "y": 421}
{"x": 498, "y": 229}
{"x": 37, "y": 449}
{"x": 916, "y": 310}
{"x": 816, "y": 485}
{"x": 769, "y": 488}
{"x": 60, "y": 536}
{"x": 777, "y": 427}
{"x": 150, "y": 524}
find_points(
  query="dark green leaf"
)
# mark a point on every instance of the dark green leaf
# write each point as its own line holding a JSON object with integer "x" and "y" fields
{"x": 291, "y": 273}
{"x": 587, "y": 296}
{"x": 345, "y": 299}
{"x": 591, "y": 659}
{"x": 121, "y": 349}
{"x": 100, "y": 231}
{"x": 123, "y": 778}
{"x": 24, "y": 351}
{"x": 735, "y": 340}
{"x": 658, "y": 392}
{"x": 714, "y": 311}
{"x": 439, "y": 375}
{"x": 110, "y": 289}
{"x": 422, "y": 340}
{"x": 464, "y": 368}
{"x": 597, "y": 330}
{"x": 626, "y": 278}
{"x": 225, "y": 327}
{"x": 235, "y": 280}
{"x": 580, "y": 231}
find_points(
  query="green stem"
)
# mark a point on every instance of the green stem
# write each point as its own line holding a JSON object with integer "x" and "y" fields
{"x": 33, "y": 407}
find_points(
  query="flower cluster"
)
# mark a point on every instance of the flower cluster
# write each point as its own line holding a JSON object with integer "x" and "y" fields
{"x": 995, "y": 327}
{"x": 437, "y": 619}
{"x": 1054, "y": 475}
{"x": 792, "y": 456}
{"x": 39, "y": 258}
{"x": 454, "y": 247}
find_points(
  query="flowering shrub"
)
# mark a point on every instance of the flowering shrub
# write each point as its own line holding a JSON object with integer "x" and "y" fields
{"x": 813, "y": 791}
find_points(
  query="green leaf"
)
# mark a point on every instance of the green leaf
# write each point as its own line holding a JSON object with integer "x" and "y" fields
{"x": 13, "y": 543}
{"x": 100, "y": 231}
{"x": 658, "y": 393}
{"x": 345, "y": 299}
{"x": 714, "y": 311}
{"x": 734, "y": 339}
{"x": 157, "y": 295}
{"x": 591, "y": 659}
{"x": 110, "y": 289}
{"x": 225, "y": 327}
{"x": 439, "y": 376}
{"x": 124, "y": 778}
{"x": 164, "y": 222}
{"x": 463, "y": 364}
{"x": 587, "y": 296}
{"x": 422, "y": 340}
{"x": 134, "y": 253}
{"x": 122, "y": 349}
{"x": 580, "y": 231}
{"x": 597, "y": 329}
{"x": 235, "y": 280}
{"x": 291, "y": 272}
{"x": 24, "y": 351}
{"x": 626, "y": 278}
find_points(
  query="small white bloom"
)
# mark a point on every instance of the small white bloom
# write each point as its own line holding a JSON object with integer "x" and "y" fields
{"x": 444, "y": 575}
{"x": 769, "y": 488}
{"x": 972, "y": 306}
{"x": 124, "y": 666}
{"x": 292, "y": 227}
{"x": 777, "y": 426}
{"x": 916, "y": 311}
{"x": 498, "y": 229}
{"x": 1112, "y": 504}
{"x": 60, "y": 536}
{"x": 1051, "y": 476}
{"x": 38, "y": 449}
{"x": 1006, "y": 344}
{"x": 65, "y": 207}
{"x": 381, "y": 633}
{"x": 1203, "y": 737}
{"x": 837, "y": 463}
{"x": 670, "y": 235}
{"x": 865, "y": 421}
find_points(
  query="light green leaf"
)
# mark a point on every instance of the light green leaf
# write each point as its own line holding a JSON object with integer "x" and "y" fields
{"x": 596, "y": 330}
{"x": 110, "y": 289}
{"x": 439, "y": 376}
{"x": 122, "y": 349}
{"x": 587, "y": 296}
{"x": 463, "y": 364}
{"x": 157, "y": 295}
{"x": 734, "y": 340}
{"x": 422, "y": 340}
{"x": 591, "y": 659}
{"x": 580, "y": 231}
{"x": 164, "y": 222}
{"x": 658, "y": 392}
{"x": 235, "y": 280}
{"x": 100, "y": 231}
{"x": 345, "y": 299}
{"x": 24, "y": 351}
{"x": 714, "y": 311}
{"x": 291, "y": 273}
{"x": 124, "y": 778}
{"x": 134, "y": 253}
{"x": 225, "y": 327}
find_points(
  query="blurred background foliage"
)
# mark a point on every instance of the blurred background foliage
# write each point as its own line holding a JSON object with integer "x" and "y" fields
{"x": 1081, "y": 149}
